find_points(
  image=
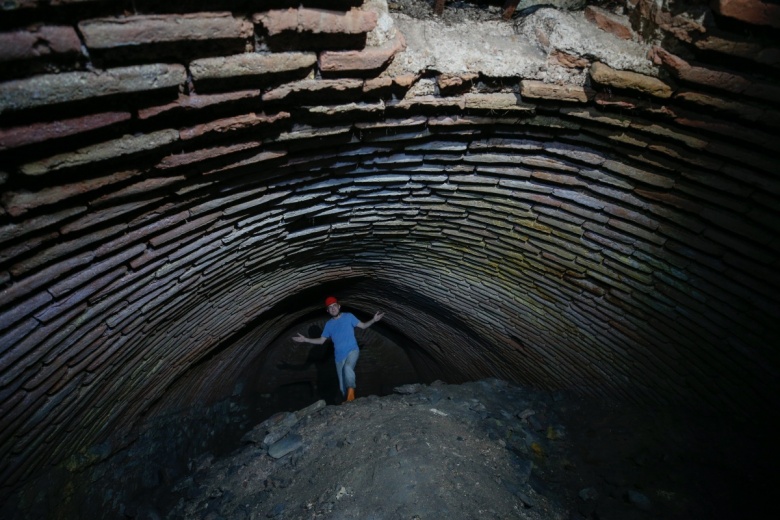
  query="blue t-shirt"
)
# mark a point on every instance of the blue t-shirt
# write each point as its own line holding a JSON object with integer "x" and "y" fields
{"x": 342, "y": 332}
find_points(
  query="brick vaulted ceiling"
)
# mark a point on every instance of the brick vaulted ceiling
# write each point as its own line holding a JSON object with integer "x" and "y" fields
{"x": 584, "y": 200}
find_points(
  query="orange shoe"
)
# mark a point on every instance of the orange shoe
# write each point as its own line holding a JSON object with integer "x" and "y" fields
{"x": 350, "y": 394}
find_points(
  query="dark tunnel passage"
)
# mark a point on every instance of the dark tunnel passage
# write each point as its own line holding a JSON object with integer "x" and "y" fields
{"x": 281, "y": 375}
{"x": 575, "y": 196}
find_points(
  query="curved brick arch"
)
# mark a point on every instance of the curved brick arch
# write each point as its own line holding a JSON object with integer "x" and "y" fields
{"x": 609, "y": 231}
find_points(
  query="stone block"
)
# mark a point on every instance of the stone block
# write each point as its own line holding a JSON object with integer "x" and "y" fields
{"x": 500, "y": 102}
{"x": 622, "y": 103}
{"x": 250, "y": 64}
{"x": 24, "y": 309}
{"x": 639, "y": 174}
{"x": 183, "y": 229}
{"x": 744, "y": 241}
{"x": 258, "y": 158}
{"x": 715, "y": 78}
{"x": 107, "y": 33}
{"x": 592, "y": 114}
{"x": 37, "y": 42}
{"x": 286, "y": 445}
{"x": 198, "y": 101}
{"x": 631, "y": 216}
{"x": 508, "y": 144}
{"x": 39, "y": 132}
{"x": 763, "y": 90}
{"x": 208, "y": 242}
{"x": 19, "y": 203}
{"x": 11, "y": 336}
{"x": 422, "y": 102}
{"x": 603, "y": 244}
{"x": 671, "y": 199}
{"x": 724, "y": 201}
{"x": 126, "y": 145}
{"x": 550, "y": 163}
{"x": 378, "y": 86}
{"x": 62, "y": 249}
{"x": 729, "y": 129}
{"x": 576, "y": 155}
{"x": 586, "y": 285}
{"x": 455, "y": 84}
{"x": 346, "y": 111}
{"x": 767, "y": 56}
{"x": 689, "y": 139}
{"x": 94, "y": 270}
{"x": 691, "y": 245}
{"x": 586, "y": 214}
{"x": 335, "y": 89}
{"x": 606, "y": 21}
{"x": 183, "y": 159}
{"x": 686, "y": 26}
{"x": 76, "y": 297}
{"x": 306, "y": 133}
{"x": 136, "y": 235}
{"x": 540, "y": 90}
{"x": 316, "y": 21}
{"x": 232, "y": 124}
{"x": 606, "y": 75}
{"x": 584, "y": 199}
{"x": 742, "y": 49}
{"x": 751, "y": 11}
{"x": 368, "y": 60}
{"x": 50, "y": 89}
{"x": 750, "y": 268}
{"x": 28, "y": 284}
{"x": 95, "y": 218}
{"x": 565, "y": 59}
{"x": 385, "y": 84}
{"x": 10, "y": 232}
{"x": 390, "y": 126}
{"x": 633, "y": 139}
{"x": 139, "y": 188}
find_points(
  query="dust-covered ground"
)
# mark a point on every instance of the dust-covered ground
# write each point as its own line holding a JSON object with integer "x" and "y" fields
{"x": 487, "y": 449}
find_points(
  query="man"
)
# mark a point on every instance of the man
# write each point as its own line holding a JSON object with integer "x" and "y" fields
{"x": 341, "y": 329}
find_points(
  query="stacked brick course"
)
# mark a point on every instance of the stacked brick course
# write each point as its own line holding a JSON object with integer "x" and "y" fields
{"x": 619, "y": 238}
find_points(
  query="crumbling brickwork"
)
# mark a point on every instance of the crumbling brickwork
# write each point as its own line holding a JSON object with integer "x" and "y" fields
{"x": 169, "y": 177}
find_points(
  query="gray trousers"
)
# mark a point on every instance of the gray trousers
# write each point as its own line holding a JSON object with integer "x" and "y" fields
{"x": 346, "y": 371}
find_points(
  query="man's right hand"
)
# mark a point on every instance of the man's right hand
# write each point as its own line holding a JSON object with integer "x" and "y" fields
{"x": 300, "y": 338}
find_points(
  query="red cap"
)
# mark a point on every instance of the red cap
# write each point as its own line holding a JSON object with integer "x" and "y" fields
{"x": 330, "y": 300}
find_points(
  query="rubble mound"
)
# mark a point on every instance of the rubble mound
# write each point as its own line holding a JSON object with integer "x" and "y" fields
{"x": 485, "y": 449}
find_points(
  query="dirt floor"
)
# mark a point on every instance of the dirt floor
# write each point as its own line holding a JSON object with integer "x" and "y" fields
{"x": 486, "y": 449}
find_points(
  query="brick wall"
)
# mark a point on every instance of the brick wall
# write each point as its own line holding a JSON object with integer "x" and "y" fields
{"x": 169, "y": 177}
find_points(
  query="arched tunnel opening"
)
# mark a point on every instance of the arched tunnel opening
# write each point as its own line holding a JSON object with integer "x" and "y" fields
{"x": 579, "y": 198}
{"x": 284, "y": 376}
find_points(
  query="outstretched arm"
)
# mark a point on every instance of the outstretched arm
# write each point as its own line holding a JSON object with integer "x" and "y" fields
{"x": 300, "y": 338}
{"x": 367, "y": 324}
